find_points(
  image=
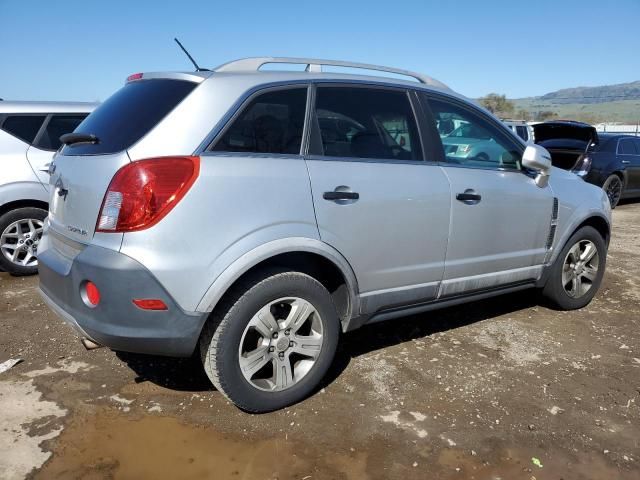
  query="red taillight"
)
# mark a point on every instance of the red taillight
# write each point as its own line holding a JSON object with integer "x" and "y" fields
{"x": 135, "y": 76}
{"x": 143, "y": 192}
{"x": 150, "y": 304}
{"x": 92, "y": 293}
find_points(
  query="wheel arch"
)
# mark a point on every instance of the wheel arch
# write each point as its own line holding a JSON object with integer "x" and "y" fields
{"x": 309, "y": 256}
{"x": 599, "y": 223}
{"x": 7, "y": 207}
{"x": 595, "y": 220}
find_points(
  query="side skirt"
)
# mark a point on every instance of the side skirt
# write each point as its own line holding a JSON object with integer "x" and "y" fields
{"x": 397, "y": 312}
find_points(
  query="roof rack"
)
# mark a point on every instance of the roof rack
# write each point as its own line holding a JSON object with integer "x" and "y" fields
{"x": 254, "y": 64}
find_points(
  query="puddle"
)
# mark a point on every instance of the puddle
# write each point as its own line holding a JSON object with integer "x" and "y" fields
{"x": 111, "y": 446}
{"x": 26, "y": 421}
{"x": 65, "y": 366}
{"x": 518, "y": 464}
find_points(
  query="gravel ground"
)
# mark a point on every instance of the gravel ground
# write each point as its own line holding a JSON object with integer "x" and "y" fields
{"x": 504, "y": 388}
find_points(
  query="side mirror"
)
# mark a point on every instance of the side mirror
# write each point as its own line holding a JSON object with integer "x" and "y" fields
{"x": 538, "y": 158}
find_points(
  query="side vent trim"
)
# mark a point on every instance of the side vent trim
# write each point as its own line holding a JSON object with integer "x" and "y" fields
{"x": 554, "y": 224}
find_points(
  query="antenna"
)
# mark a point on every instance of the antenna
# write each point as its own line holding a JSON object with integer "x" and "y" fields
{"x": 198, "y": 69}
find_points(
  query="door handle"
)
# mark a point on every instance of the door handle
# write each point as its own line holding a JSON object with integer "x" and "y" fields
{"x": 338, "y": 195}
{"x": 626, "y": 162}
{"x": 469, "y": 197}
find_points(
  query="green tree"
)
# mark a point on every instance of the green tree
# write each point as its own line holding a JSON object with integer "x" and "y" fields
{"x": 498, "y": 105}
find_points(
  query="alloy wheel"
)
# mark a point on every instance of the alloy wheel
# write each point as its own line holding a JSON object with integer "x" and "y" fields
{"x": 614, "y": 190}
{"x": 580, "y": 268}
{"x": 281, "y": 344}
{"x": 19, "y": 241}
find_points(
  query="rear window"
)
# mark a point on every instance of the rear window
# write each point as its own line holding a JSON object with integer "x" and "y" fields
{"x": 25, "y": 127}
{"x": 129, "y": 114}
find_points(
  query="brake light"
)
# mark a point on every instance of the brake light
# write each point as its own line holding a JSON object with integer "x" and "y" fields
{"x": 135, "y": 76}
{"x": 143, "y": 192}
{"x": 582, "y": 166}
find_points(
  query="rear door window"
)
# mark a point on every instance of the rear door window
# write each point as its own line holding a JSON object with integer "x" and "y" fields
{"x": 129, "y": 114}
{"x": 627, "y": 147}
{"x": 57, "y": 126}
{"x": 25, "y": 127}
{"x": 367, "y": 123}
{"x": 272, "y": 122}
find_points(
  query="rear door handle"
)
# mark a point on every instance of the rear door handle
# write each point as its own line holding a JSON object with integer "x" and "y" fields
{"x": 337, "y": 195}
{"x": 626, "y": 161}
{"x": 469, "y": 197}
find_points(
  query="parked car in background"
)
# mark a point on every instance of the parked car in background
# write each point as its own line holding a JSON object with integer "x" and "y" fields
{"x": 520, "y": 128}
{"x": 258, "y": 214}
{"x": 29, "y": 136}
{"x": 610, "y": 161}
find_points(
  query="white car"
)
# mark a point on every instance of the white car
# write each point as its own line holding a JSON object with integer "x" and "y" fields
{"x": 29, "y": 136}
{"x": 520, "y": 128}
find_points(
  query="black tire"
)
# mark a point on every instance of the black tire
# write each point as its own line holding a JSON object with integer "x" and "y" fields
{"x": 613, "y": 186}
{"x": 6, "y": 220}
{"x": 221, "y": 337}
{"x": 555, "y": 291}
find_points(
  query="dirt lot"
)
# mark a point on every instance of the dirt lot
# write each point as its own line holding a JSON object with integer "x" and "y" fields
{"x": 499, "y": 389}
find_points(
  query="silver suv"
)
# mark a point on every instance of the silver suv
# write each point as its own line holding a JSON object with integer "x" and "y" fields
{"x": 257, "y": 214}
{"x": 29, "y": 136}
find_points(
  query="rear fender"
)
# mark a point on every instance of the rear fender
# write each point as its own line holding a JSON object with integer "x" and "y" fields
{"x": 268, "y": 250}
{"x": 23, "y": 191}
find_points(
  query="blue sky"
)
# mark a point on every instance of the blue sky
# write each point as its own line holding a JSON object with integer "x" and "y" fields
{"x": 83, "y": 50}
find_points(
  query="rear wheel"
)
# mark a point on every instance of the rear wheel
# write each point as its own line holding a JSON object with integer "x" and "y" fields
{"x": 271, "y": 341}
{"x": 577, "y": 272}
{"x": 20, "y": 233}
{"x": 613, "y": 188}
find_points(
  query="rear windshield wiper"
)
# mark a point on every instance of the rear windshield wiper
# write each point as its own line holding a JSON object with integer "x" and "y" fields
{"x": 74, "y": 138}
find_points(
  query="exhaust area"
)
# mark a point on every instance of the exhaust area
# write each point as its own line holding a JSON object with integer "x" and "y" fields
{"x": 89, "y": 344}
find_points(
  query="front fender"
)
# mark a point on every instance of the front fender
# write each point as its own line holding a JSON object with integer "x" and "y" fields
{"x": 579, "y": 202}
{"x": 268, "y": 250}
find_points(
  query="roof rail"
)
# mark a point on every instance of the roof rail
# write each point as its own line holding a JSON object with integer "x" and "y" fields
{"x": 254, "y": 64}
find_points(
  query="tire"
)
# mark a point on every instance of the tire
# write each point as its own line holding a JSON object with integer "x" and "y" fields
{"x": 21, "y": 227}
{"x": 613, "y": 186}
{"x": 233, "y": 326}
{"x": 560, "y": 293}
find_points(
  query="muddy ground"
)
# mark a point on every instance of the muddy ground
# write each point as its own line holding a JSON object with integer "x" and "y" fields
{"x": 504, "y": 388}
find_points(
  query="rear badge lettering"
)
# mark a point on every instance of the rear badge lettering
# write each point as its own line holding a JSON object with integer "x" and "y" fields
{"x": 77, "y": 230}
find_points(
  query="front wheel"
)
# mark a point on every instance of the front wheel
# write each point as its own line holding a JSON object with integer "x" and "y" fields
{"x": 270, "y": 343}
{"x": 577, "y": 272}
{"x": 20, "y": 233}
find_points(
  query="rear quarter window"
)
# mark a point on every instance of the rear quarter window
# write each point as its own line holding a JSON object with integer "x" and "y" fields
{"x": 58, "y": 125}
{"x": 129, "y": 114}
{"x": 25, "y": 127}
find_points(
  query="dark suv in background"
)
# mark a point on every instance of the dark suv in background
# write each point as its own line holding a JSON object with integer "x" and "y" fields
{"x": 610, "y": 161}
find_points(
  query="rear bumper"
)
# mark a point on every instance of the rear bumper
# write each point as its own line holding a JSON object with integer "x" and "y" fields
{"x": 116, "y": 322}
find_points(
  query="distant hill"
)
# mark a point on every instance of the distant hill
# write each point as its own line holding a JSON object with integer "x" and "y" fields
{"x": 609, "y": 103}
{"x": 606, "y": 93}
